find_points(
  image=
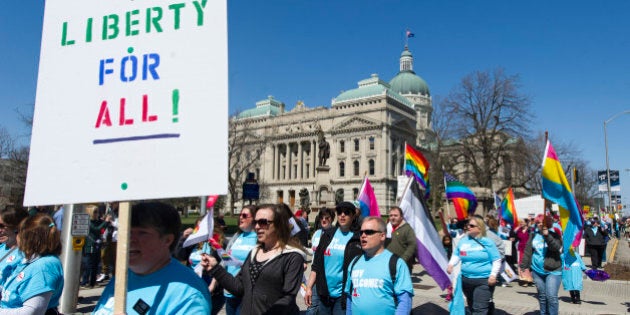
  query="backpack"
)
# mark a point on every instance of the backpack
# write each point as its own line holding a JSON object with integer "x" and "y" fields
{"x": 392, "y": 271}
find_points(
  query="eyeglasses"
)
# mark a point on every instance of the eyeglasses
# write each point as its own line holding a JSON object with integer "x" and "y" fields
{"x": 263, "y": 223}
{"x": 370, "y": 232}
{"x": 325, "y": 218}
{"x": 2, "y": 226}
{"x": 344, "y": 211}
{"x": 472, "y": 225}
{"x": 245, "y": 216}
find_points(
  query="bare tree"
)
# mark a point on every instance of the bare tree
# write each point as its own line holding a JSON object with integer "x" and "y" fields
{"x": 489, "y": 115}
{"x": 245, "y": 149}
{"x": 6, "y": 143}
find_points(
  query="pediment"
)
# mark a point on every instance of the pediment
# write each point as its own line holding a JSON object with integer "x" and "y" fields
{"x": 405, "y": 126}
{"x": 353, "y": 124}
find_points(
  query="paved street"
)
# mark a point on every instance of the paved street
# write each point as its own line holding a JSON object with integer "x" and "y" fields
{"x": 599, "y": 298}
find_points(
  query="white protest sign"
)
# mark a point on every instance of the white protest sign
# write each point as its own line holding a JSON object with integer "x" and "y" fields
{"x": 131, "y": 101}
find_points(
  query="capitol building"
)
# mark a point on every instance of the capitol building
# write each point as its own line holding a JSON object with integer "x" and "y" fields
{"x": 320, "y": 155}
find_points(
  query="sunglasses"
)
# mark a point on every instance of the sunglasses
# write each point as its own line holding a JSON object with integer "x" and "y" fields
{"x": 263, "y": 223}
{"x": 245, "y": 216}
{"x": 370, "y": 232}
{"x": 325, "y": 218}
{"x": 472, "y": 225}
{"x": 2, "y": 226}
{"x": 344, "y": 211}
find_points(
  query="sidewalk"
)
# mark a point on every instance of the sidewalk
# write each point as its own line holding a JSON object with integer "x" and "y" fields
{"x": 598, "y": 298}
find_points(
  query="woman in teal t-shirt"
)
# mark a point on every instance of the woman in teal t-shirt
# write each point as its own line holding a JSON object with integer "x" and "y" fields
{"x": 35, "y": 285}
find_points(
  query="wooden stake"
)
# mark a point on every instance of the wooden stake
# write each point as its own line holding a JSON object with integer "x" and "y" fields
{"x": 122, "y": 258}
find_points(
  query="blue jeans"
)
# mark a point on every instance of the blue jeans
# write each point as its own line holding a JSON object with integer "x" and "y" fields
{"x": 547, "y": 286}
{"x": 233, "y": 305}
{"x": 318, "y": 308}
{"x": 478, "y": 294}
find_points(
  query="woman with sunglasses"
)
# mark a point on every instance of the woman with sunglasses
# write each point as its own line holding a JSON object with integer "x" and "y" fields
{"x": 10, "y": 219}
{"x": 35, "y": 284}
{"x": 480, "y": 267}
{"x": 271, "y": 275}
{"x": 337, "y": 247}
{"x": 543, "y": 256}
{"x": 239, "y": 247}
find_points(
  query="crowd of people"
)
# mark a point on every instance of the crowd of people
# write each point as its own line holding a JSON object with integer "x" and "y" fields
{"x": 359, "y": 264}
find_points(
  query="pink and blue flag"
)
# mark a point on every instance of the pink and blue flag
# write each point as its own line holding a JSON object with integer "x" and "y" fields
{"x": 367, "y": 200}
{"x": 556, "y": 189}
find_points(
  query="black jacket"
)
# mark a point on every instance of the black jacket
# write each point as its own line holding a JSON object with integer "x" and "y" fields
{"x": 595, "y": 239}
{"x": 353, "y": 249}
{"x": 275, "y": 289}
{"x": 554, "y": 249}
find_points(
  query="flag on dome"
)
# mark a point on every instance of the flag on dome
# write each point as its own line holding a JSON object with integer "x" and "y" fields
{"x": 410, "y": 34}
{"x": 416, "y": 165}
{"x": 463, "y": 198}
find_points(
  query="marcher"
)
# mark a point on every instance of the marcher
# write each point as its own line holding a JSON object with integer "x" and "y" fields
{"x": 92, "y": 248}
{"x": 271, "y": 275}
{"x": 156, "y": 281}
{"x": 522, "y": 236}
{"x": 239, "y": 247}
{"x": 110, "y": 241}
{"x": 481, "y": 263}
{"x": 10, "y": 256}
{"x": 35, "y": 285}
{"x": 403, "y": 239}
{"x": 323, "y": 222}
{"x": 595, "y": 239}
{"x": 543, "y": 257}
{"x": 572, "y": 272}
{"x": 337, "y": 247}
{"x": 371, "y": 288}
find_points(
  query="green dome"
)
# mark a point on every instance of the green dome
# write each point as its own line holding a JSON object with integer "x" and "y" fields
{"x": 371, "y": 87}
{"x": 407, "y": 82}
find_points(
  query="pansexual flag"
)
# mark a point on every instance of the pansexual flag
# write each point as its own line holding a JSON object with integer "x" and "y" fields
{"x": 367, "y": 200}
{"x": 507, "y": 211}
{"x": 462, "y": 197}
{"x": 556, "y": 189}
{"x": 418, "y": 167}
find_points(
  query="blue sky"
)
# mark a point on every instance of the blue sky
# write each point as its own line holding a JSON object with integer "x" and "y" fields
{"x": 572, "y": 56}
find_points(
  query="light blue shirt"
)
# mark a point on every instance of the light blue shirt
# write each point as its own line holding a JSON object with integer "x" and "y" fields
{"x": 32, "y": 278}
{"x": 239, "y": 250}
{"x": 333, "y": 262}
{"x": 476, "y": 258}
{"x": 539, "y": 248}
{"x": 315, "y": 239}
{"x": 9, "y": 263}
{"x": 174, "y": 289}
{"x": 372, "y": 288}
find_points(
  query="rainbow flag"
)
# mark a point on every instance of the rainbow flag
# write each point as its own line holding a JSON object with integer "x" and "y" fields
{"x": 462, "y": 197}
{"x": 417, "y": 166}
{"x": 556, "y": 189}
{"x": 507, "y": 211}
{"x": 367, "y": 200}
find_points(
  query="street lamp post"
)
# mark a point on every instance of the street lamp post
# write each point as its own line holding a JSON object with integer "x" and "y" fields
{"x": 606, "y": 147}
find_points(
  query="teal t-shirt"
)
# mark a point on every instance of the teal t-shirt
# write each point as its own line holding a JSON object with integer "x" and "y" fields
{"x": 372, "y": 288}
{"x": 333, "y": 262}
{"x": 9, "y": 263}
{"x": 31, "y": 278}
{"x": 239, "y": 250}
{"x": 476, "y": 257}
{"x": 539, "y": 248}
{"x": 315, "y": 239}
{"x": 174, "y": 289}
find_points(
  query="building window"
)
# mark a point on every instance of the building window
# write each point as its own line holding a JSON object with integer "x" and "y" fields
{"x": 342, "y": 146}
{"x": 356, "y": 144}
{"x": 355, "y": 193}
{"x": 371, "y": 143}
{"x": 356, "y": 168}
{"x": 295, "y": 171}
{"x": 342, "y": 169}
{"x": 371, "y": 167}
{"x": 308, "y": 170}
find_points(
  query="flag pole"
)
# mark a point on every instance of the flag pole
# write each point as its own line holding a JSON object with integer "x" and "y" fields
{"x": 545, "y": 201}
{"x": 448, "y": 209}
